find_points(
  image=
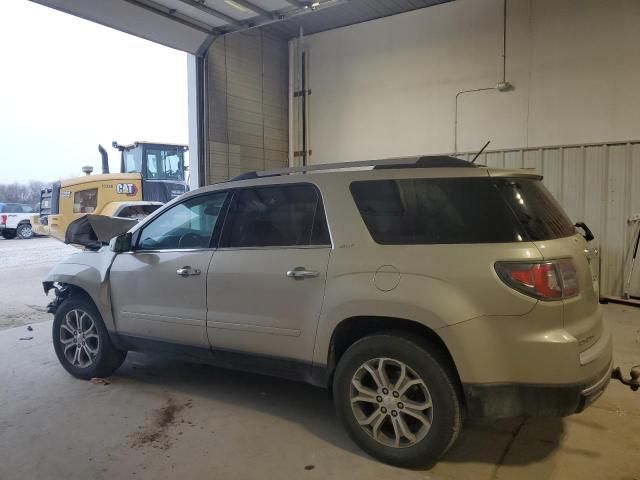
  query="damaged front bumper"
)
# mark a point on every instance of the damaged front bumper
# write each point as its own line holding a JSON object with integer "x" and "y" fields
{"x": 60, "y": 293}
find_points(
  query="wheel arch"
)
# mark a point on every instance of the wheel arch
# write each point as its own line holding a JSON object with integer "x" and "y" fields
{"x": 352, "y": 329}
{"x": 64, "y": 291}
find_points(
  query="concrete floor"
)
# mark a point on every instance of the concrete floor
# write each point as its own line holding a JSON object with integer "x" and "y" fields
{"x": 162, "y": 418}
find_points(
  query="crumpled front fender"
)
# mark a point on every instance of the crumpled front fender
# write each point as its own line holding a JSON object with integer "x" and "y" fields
{"x": 89, "y": 273}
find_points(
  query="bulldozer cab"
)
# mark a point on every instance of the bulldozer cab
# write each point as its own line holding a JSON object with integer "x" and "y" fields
{"x": 160, "y": 165}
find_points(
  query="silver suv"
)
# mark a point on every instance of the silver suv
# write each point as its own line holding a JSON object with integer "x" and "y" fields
{"x": 417, "y": 290}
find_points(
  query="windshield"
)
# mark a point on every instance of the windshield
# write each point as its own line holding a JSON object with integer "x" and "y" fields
{"x": 165, "y": 163}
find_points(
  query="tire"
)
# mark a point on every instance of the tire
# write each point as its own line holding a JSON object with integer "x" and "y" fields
{"x": 9, "y": 235}
{"x": 437, "y": 389}
{"x": 97, "y": 357}
{"x": 24, "y": 231}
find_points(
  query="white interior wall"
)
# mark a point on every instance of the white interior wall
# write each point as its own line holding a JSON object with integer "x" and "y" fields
{"x": 388, "y": 87}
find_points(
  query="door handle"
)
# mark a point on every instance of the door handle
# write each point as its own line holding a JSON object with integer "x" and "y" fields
{"x": 299, "y": 273}
{"x": 188, "y": 271}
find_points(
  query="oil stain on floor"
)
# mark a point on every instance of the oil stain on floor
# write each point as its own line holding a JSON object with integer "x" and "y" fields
{"x": 156, "y": 433}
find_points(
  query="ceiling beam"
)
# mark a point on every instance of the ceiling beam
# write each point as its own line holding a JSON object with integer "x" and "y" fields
{"x": 298, "y": 3}
{"x": 255, "y": 8}
{"x": 282, "y": 16}
{"x": 211, "y": 11}
{"x": 188, "y": 21}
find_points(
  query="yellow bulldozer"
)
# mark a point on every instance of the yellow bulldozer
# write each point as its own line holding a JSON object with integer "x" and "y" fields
{"x": 150, "y": 174}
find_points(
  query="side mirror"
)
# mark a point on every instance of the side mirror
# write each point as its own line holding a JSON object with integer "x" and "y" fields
{"x": 121, "y": 243}
{"x": 588, "y": 235}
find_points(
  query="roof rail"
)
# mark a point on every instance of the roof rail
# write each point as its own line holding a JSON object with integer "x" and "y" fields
{"x": 436, "y": 161}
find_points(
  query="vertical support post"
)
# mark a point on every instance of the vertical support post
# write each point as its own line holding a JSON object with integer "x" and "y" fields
{"x": 194, "y": 150}
{"x": 198, "y": 119}
{"x": 293, "y": 124}
{"x": 300, "y": 89}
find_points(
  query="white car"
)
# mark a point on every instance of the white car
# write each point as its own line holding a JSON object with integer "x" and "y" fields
{"x": 15, "y": 220}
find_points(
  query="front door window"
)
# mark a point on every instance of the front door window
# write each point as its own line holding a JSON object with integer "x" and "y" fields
{"x": 189, "y": 224}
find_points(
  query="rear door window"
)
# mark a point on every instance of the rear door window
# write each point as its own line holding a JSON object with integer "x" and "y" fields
{"x": 435, "y": 211}
{"x": 276, "y": 216}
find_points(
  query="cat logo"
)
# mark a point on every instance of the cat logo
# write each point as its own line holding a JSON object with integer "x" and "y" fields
{"x": 128, "y": 189}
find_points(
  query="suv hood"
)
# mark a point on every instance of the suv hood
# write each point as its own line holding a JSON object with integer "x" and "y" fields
{"x": 94, "y": 231}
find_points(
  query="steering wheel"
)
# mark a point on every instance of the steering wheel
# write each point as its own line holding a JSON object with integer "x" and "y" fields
{"x": 190, "y": 240}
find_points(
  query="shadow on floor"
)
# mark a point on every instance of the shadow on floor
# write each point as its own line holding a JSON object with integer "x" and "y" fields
{"x": 499, "y": 442}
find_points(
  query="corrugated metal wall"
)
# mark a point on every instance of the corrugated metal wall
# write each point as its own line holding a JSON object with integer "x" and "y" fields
{"x": 248, "y": 104}
{"x": 598, "y": 184}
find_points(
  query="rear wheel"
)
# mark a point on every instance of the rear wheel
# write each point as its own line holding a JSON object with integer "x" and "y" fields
{"x": 397, "y": 401}
{"x": 24, "y": 231}
{"x": 81, "y": 341}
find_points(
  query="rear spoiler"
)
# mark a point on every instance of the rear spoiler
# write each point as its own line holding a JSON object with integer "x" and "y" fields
{"x": 95, "y": 231}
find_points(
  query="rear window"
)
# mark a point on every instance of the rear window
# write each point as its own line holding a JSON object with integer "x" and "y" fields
{"x": 539, "y": 214}
{"x": 11, "y": 208}
{"x": 435, "y": 211}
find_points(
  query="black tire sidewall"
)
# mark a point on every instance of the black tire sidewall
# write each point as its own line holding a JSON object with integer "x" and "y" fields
{"x": 103, "y": 364}
{"x": 447, "y": 415}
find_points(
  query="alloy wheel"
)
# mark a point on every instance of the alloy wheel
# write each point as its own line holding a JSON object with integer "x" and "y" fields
{"x": 25, "y": 232}
{"x": 391, "y": 402}
{"x": 79, "y": 338}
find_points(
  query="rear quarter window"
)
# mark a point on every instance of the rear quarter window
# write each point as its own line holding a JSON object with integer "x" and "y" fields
{"x": 435, "y": 211}
{"x": 12, "y": 208}
{"x": 539, "y": 214}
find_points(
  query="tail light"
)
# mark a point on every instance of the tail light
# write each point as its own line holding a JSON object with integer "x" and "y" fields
{"x": 3, "y": 219}
{"x": 551, "y": 280}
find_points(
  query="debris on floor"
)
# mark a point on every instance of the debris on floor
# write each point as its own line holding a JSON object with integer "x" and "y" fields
{"x": 99, "y": 381}
{"x": 26, "y": 338}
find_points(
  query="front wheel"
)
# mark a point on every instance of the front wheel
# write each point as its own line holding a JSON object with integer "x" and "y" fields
{"x": 397, "y": 401}
{"x": 81, "y": 341}
{"x": 24, "y": 231}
